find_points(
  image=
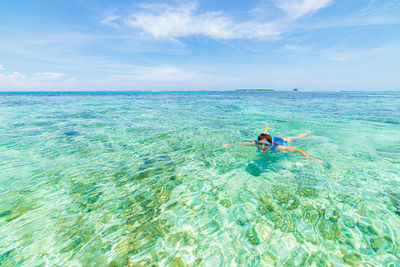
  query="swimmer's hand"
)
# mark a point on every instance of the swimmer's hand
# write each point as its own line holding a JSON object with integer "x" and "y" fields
{"x": 317, "y": 160}
{"x": 225, "y": 145}
{"x": 301, "y": 151}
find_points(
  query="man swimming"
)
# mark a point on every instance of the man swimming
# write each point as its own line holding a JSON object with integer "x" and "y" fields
{"x": 267, "y": 142}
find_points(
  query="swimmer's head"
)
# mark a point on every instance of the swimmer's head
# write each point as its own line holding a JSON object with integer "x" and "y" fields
{"x": 264, "y": 138}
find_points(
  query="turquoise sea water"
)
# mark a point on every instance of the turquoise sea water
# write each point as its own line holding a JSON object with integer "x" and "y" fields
{"x": 142, "y": 179}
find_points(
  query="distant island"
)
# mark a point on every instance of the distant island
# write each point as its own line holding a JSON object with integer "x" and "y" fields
{"x": 254, "y": 90}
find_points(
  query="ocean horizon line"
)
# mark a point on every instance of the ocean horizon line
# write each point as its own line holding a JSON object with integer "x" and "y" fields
{"x": 194, "y": 91}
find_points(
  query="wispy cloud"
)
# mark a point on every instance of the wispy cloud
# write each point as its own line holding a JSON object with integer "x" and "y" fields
{"x": 160, "y": 73}
{"x": 121, "y": 76}
{"x": 171, "y": 22}
{"x": 17, "y": 80}
{"x": 339, "y": 53}
{"x": 49, "y": 75}
{"x": 298, "y": 8}
{"x": 111, "y": 20}
{"x": 167, "y": 21}
{"x": 164, "y": 21}
{"x": 14, "y": 80}
{"x": 164, "y": 74}
{"x": 15, "y": 76}
{"x": 295, "y": 47}
{"x": 375, "y": 13}
{"x": 1, "y": 67}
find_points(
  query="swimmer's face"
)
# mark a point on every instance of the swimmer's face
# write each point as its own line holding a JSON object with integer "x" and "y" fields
{"x": 264, "y": 144}
{"x": 265, "y": 141}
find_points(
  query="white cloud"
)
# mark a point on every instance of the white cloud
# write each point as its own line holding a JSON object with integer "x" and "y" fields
{"x": 374, "y": 14}
{"x": 295, "y": 9}
{"x": 339, "y": 53}
{"x": 1, "y": 67}
{"x": 295, "y": 47}
{"x": 165, "y": 21}
{"x": 111, "y": 20}
{"x": 123, "y": 77}
{"x": 13, "y": 77}
{"x": 19, "y": 81}
{"x": 48, "y": 75}
{"x": 160, "y": 74}
{"x": 14, "y": 80}
{"x": 162, "y": 77}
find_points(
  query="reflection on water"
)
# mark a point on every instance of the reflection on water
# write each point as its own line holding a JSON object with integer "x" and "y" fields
{"x": 142, "y": 180}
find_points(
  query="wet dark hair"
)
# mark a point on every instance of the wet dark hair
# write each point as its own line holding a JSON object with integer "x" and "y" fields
{"x": 264, "y": 136}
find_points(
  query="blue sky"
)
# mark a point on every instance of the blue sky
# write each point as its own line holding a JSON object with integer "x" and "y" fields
{"x": 200, "y": 45}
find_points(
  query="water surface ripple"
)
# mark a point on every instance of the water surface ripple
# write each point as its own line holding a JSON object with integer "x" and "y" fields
{"x": 141, "y": 179}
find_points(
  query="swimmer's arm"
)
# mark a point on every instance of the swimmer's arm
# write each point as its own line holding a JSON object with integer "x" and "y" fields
{"x": 243, "y": 143}
{"x": 301, "y": 151}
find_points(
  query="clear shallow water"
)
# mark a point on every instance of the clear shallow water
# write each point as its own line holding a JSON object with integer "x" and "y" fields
{"x": 142, "y": 179}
